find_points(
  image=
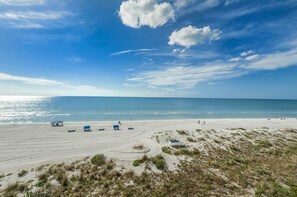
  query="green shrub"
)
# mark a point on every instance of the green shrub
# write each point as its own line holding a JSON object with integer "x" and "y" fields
{"x": 137, "y": 162}
{"x": 140, "y": 161}
{"x": 264, "y": 144}
{"x": 181, "y": 132}
{"x": 159, "y": 162}
{"x": 22, "y": 173}
{"x": 167, "y": 150}
{"x": 138, "y": 147}
{"x": 98, "y": 160}
{"x": 191, "y": 139}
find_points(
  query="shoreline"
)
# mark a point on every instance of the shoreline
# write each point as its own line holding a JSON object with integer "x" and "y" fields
{"x": 147, "y": 120}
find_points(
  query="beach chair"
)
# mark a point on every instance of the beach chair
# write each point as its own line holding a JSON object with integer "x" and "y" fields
{"x": 130, "y": 128}
{"x": 87, "y": 128}
{"x": 71, "y": 130}
{"x": 116, "y": 127}
{"x": 101, "y": 129}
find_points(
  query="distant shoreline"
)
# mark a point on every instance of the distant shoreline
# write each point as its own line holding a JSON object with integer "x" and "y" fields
{"x": 144, "y": 120}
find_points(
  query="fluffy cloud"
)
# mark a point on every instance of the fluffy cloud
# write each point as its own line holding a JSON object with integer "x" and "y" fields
{"x": 137, "y": 13}
{"x": 191, "y": 36}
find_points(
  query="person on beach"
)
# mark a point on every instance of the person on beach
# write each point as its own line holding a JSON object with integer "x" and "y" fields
{"x": 204, "y": 122}
{"x": 198, "y": 121}
{"x": 120, "y": 123}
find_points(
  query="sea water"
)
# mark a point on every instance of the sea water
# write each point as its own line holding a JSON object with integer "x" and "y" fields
{"x": 19, "y": 109}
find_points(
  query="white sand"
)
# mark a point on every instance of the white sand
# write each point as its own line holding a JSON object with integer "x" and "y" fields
{"x": 31, "y": 145}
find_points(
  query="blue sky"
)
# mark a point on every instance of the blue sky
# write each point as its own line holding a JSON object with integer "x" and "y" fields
{"x": 170, "y": 48}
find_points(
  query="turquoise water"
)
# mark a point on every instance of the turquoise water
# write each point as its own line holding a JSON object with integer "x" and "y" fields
{"x": 45, "y": 109}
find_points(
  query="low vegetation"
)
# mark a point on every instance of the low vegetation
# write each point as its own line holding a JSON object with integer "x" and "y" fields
{"x": 191, "y": 139}
{"x": 138, "y": 147}
{"x": 181, "y": 132}
{"x": 98, "y": 160}
{"x": 158, "y": 161}
{"x": 22, "y": 173}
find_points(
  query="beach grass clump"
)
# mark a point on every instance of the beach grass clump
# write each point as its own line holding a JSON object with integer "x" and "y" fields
{"x": 191, "y": 139}
{"x": 138, "y": 162}
{"x": 157, "y": 139}
{"x": 167, "y": 150}
{"x": 42, "y": 179}
{"x": 98, "y": 160}
{"x": 14, "y": 189}
{"x": 138, "y": 147}
{"x": 37, "y": 194}
{"x": 290, "y": 130}
{"x": 263, "y": 144}
{"x": 234, "y": 148}
{"x": 185, "y": 151}
{"x": 217, "y": 141}
{"x": 22, "y": 173}
{"x": 159, "y": 162}
{"x": 182, "y": 132}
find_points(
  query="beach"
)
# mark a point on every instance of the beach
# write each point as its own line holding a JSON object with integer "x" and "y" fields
{"x": 29, "y": 145}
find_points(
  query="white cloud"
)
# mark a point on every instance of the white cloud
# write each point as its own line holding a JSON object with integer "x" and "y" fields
{"x": 275, "y": 61}
{"x": 187, "y": 76}
{"x": 252, "y": 57}
{"x": 191, "y": 36}
{"x": 131, "y": 51}
{"x": 41, "y": 86}
{"x": 21, "y": 2}
{"x": 29, "y": 80}
{"x": 189, "y": 6}
{"x": 246, "y": 53}
{"x": 137, "y": 13}
{"x": 33, "y": 19}
{"x": 27, "y": 25}
{"x": 230, "y": 2}
{"x": 50, "y": 15}
{"x": 235, "y": 59}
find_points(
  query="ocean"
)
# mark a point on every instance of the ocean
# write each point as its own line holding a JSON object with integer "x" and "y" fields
{"x": 19, "y": 109}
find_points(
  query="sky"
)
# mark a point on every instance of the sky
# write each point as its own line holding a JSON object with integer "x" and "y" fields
{"x": 149, "y": 48}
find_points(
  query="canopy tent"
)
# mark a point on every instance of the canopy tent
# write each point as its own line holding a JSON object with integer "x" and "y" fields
{"x": 87, "y": 128}
{"x": 57, "y": 123}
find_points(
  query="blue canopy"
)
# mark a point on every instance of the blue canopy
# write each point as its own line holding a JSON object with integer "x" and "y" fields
{"x": 87, "y": 128}
{"x": 116, "y": 127}
{"x": 174, "y": 140}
